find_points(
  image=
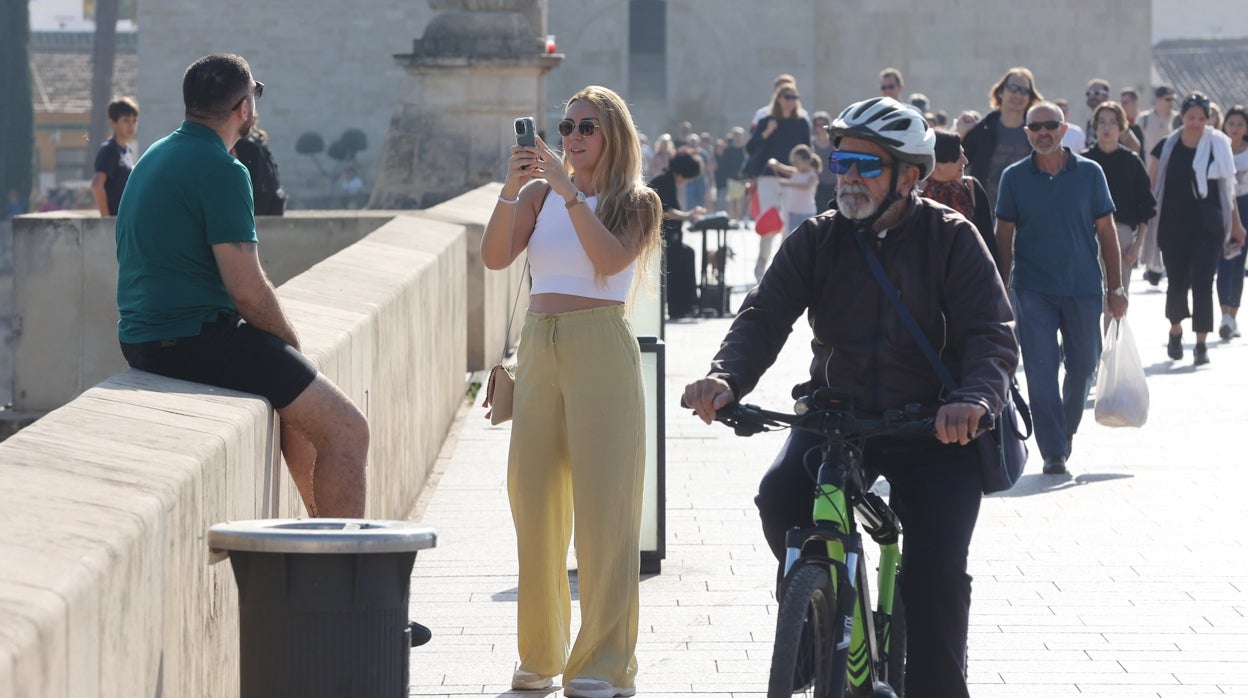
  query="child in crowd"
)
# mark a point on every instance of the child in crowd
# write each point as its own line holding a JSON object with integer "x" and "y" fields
{"x": 115, "y": 159}
{"x": 799, "y": 183}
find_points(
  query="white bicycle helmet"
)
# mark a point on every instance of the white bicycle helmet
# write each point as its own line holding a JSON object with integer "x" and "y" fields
{"x": 896, "y": 127}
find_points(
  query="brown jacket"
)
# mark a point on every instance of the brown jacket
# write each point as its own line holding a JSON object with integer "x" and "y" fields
{"x": 943, "y": 274}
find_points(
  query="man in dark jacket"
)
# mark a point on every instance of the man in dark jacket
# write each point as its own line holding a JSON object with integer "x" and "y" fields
{"x": 680, "y": 276}
{"x": 945, "y": 277}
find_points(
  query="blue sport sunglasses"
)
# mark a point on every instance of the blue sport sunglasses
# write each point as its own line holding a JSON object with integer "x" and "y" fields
{"x": 869, "y": 166}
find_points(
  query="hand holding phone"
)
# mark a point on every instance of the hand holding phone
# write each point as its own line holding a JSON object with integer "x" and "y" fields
{"x": 526, "y": 132}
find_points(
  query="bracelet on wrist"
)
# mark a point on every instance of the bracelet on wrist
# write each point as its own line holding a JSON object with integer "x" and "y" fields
{"x": 511, "y": 202}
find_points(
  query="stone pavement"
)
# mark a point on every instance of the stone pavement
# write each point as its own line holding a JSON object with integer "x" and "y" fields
{"x": 1127, "y": 578}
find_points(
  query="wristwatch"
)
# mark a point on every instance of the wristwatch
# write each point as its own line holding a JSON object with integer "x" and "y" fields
{"x": 1120, "y": 291}
{"x": 578, "y": 199}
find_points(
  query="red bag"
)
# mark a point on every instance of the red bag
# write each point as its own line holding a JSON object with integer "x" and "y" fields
{"x": 769, "y": 223}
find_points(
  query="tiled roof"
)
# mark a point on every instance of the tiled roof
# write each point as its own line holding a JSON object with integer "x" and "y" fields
{"x": 60, "y": 66}
{"x": 1217, "y": 67}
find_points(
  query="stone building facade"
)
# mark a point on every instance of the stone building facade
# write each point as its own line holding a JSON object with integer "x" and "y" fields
{"x": 330, "y": 66}
{"x": 327, "y": 67}
{"x": 712, "y": 62}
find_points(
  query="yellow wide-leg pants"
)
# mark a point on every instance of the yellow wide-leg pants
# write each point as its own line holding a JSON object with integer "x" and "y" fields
{"x": 578, "y": 449}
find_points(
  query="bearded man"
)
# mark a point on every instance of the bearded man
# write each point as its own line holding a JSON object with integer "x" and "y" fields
{"x": 195, "y": 303}
{"x": 946, "y": 279}
{"x": 1055, "y": 230}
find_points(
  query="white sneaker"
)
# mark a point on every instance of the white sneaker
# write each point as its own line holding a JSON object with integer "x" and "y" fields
{"x": 528, "y": 681}
{"x": 592, "y": 688}
{"x": 1225, "y": 329}
{"x": 1234, "y": 328}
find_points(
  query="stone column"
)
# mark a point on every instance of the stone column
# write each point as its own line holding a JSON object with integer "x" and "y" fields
{"x": 478, "y": 66}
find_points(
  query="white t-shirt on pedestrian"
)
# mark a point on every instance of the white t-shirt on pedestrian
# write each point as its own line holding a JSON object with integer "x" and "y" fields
{"x": 799, "y": 195}
{"x": 1074, "y": 138}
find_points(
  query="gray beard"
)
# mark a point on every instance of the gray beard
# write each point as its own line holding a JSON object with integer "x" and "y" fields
{"x": 853, "y": 207}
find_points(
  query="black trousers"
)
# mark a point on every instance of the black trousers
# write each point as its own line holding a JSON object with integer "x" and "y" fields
{"x": 682, "y": 281}
{"x": 1191, "y": 261}
{"x": 936, "y": 492}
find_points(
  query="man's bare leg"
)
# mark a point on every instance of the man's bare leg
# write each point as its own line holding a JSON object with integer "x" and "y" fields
{"x": 300, "y": 458}
{"x": 338, "y": 434}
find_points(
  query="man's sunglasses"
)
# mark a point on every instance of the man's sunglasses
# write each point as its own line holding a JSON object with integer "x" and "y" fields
{"x": 257, "y": 93}
{"x": 869, "y": 166}
{"x": 1096, "y": 92}
{"x": 1038, "y": 126}
{"x": 585, "y": 127}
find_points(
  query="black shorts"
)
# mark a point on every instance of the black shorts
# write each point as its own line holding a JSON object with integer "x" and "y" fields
{"x": 229, "y": 353}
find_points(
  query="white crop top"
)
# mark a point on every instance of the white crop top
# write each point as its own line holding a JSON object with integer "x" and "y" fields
{"x": 558, "y": 261}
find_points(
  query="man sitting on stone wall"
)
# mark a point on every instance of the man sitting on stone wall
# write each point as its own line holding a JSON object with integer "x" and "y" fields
{"x": 195, "y": 303}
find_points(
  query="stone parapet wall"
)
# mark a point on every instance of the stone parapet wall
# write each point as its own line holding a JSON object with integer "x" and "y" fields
{"x": 65, "y": 292}
{"x": 107, "y": 588}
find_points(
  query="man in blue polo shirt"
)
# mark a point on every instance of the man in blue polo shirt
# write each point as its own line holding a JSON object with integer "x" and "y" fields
{"x": 1055, "y": 231}
{"x": 195, "y": 303}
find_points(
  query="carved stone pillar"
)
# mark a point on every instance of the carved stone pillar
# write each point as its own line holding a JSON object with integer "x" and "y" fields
{"x": 479, "y": 65}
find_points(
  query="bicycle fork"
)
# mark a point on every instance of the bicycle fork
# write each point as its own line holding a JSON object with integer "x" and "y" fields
{"x": 863, "y": 639}
{"x": 885, "y": 529}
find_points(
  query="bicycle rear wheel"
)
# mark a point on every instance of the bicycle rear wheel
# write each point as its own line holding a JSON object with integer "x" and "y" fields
{"x": 801, "y": 657}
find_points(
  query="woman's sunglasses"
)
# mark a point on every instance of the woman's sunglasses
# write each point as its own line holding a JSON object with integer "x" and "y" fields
{"x": 585, "y": 127}
{"x": 869, "y": 166}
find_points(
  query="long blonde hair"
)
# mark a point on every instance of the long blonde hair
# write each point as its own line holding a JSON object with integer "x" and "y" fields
{"x": 626, "y": 206}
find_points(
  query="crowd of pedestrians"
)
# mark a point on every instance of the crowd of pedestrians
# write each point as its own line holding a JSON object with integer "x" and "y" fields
{"x": 752, "y": 170}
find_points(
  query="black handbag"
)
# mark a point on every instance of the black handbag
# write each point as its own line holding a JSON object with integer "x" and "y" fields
{"x": 1003, "y": 450}
{"x": 756, "y": 163}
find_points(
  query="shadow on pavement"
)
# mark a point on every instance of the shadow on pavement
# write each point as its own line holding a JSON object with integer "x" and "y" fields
{"x": 530, "y": 693}
{"x": 1168, "y": 366}
{"x": 1040, "y": 483}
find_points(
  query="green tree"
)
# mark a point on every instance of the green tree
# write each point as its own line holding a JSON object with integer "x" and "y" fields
{"x": 17, "y": 110}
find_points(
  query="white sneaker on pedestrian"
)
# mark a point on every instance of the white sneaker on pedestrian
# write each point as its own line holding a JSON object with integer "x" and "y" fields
{"x": 528, "y": 681}
{"x": 1225, "y": 329}
{"x": 1234, "y": 328}
{"x": 592, "y": 688}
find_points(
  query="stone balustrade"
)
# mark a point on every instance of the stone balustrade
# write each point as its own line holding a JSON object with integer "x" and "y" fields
{"x": 107, "y": 587}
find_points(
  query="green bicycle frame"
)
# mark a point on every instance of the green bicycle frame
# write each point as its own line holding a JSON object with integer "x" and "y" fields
{"x": 831, "y": 507}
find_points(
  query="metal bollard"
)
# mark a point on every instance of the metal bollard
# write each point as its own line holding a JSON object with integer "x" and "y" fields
{"x": 323, "y": 604}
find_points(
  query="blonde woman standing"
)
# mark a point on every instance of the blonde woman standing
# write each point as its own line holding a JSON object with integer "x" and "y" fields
{"x": 578, "y": 437}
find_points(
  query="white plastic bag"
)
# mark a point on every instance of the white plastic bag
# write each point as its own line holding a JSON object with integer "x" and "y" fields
{"x": 1121, "y": 390}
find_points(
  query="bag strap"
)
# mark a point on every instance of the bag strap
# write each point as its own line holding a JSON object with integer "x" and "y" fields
{"x": 519, "y": 287}
{"x": 942, "y": 372}
{"x": 970, "y": 190}
{"x": 925, "y": 346}
{"x": 510, "y": 316}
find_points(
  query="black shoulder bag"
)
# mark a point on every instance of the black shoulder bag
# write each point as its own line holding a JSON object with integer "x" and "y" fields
{"x": 1002, "y": 451}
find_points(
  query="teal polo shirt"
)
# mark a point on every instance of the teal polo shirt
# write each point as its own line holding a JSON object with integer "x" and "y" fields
{"x": 1054, "y": 217}
{"x": 186, "y": 194}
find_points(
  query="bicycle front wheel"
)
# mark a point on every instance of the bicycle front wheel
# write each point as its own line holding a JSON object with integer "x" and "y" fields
{"x": 801, "y": 658}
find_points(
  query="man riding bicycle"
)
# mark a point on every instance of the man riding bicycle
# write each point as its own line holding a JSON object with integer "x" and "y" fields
{"x": 946, "y": 278}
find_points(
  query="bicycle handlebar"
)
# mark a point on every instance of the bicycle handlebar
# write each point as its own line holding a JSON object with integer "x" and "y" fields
{"x": 841, "y": 422}
{"x": 832, "y": 420}
{"x": 747, "y": 420}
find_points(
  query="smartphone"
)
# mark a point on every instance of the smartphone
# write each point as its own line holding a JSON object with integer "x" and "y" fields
{"x": 526, "y": 131}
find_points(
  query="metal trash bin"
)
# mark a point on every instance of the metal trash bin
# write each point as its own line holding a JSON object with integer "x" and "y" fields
{"x": 323, "y": 604}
